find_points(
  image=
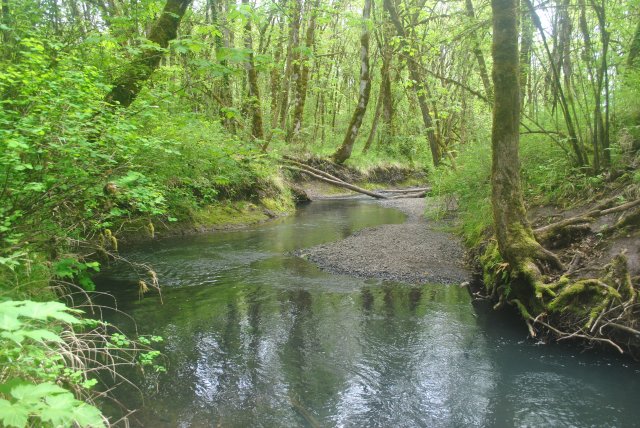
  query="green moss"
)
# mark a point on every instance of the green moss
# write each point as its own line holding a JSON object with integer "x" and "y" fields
{"x": 580, "y": 296}
{"x": 278, "y": 205}
{"x": 228, "y": 214}
{"x": 494, "y": 269}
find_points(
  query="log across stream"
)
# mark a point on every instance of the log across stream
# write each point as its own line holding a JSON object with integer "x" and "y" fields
{"x": 257, "y": 336}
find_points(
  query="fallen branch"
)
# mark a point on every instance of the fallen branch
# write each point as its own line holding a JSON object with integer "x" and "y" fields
{"x": 413, "y": 190}
{"x": 338, "y": 183}
{"x": 409, "y": 195}
{"x": 312, "y": 169}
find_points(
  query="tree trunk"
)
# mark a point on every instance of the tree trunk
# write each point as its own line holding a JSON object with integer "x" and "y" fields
{"x": 634, "y": 49}
{"x": 387, "y": 96}
{"x": 127, "y": 87}
{"x": 275, "y": 78}
{"x": 253, "y": 102}
{"x": 292, "y": 64}
{"x": 580, "y": 156}
{"x": 515, "y": 238}
{"x": 418, "y": 86}
{"x": 526, "y": 44}
{"x": 344, "y": 152}
{"x": 374, "y": 124}
{"x": 477, "y": 52}
{"x": 302, "y": 83}
{"x": 221, "y": 40}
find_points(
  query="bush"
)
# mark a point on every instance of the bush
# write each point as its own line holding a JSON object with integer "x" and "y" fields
{"x": 50, "y": 360}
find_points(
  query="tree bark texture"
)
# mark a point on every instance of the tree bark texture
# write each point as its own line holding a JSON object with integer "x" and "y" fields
{"x": 344, "y": 152}
{"x": 127, "y": 87}
{"x": 385, "y": 87}
{"x": 374, "y": 124}
{"x": 516, "y": 241}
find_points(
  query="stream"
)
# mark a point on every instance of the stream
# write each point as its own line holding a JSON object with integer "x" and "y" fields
{"x": 254, "y": 336}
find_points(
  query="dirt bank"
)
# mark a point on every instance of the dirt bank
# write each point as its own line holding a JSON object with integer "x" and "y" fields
{"x": 416, "y": 252}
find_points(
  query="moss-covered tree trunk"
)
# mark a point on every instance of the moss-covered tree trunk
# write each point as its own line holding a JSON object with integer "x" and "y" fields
{"x": 634, "y": 49}
{"x": 293, "y": 133}
{"x": 253, "y": 102}
{"x": 516, "y": 241}
{"x": 387, "y": 96}
{"x": 344, "y": 152}
{"x": 292, "y": 66}
{"x": 127, "y": 87}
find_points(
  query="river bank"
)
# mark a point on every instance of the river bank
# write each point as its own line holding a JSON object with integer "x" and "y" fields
{"x": 414, "y": 252}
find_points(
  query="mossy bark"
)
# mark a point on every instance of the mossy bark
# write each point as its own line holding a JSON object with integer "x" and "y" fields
{"x": 516, "y": 242}
{"x": 344, "y": 151}
{"x": 293, "y": 134}
{"x": 253, "y": 102}
{"x": 127, "y": 87}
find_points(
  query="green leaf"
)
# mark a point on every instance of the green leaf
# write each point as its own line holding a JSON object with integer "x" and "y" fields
{"x": 88, "y": 416}
{"x": 60, "y": 409}
{"x": 86, "y": 283}
{"x": 9, "y": 321}
{"x": 16, "y": 336}
{"x": 36, "y": 392}
{"x": 43, "y": 335}
{"x": 13, "y": 415}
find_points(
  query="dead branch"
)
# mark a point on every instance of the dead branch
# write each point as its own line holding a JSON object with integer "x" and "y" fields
{"x": 542, "y": 233}
{"x": 411, "y": 190}
{"x": 312, "y": 169}
{"x": 409, "y": 195}
{"x": 338, "y": 183}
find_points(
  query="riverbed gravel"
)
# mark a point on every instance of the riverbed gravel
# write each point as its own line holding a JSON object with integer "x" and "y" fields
{"x": 417, "y": 251}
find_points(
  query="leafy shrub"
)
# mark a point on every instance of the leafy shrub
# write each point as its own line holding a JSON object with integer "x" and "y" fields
{"x": 47, "y": 353}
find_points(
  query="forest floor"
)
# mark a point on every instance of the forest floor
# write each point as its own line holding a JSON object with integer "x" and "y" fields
{"x": 417, "y": 251}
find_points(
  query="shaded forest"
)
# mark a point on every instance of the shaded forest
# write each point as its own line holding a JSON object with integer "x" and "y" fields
{"x": 123, "y": 119}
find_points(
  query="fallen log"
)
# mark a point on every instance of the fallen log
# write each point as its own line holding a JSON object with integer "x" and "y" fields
{"x": 409, "y": 195}
{"x": 413, "y": 190}
{"x": 312, "y": 169}
{"x": 338, "y": 183}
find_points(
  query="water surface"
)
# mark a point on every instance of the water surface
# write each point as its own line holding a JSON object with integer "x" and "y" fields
{"x": 257, "y": 337}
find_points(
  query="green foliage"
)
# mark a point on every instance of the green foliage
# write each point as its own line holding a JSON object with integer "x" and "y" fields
{"x": 30, "y": 335}
{"x": 59, "y": 146}
{"x": 468, "y": 189}
{"x": 46, "y": 403}
{"x": 43, "y": 381}
{"x": 73, "y": 269}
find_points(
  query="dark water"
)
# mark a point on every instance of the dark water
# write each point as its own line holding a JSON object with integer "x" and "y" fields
{"x": 255, "y": 337}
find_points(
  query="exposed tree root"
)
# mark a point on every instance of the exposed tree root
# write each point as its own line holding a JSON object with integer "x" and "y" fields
{"x": 601, "y": 310}
{"x": 569, "y": 229}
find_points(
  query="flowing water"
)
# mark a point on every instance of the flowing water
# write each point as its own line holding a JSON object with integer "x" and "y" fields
{"x": 257, "y": 337}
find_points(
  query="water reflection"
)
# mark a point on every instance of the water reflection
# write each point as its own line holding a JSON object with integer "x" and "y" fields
{"x": 255, "y": 337}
